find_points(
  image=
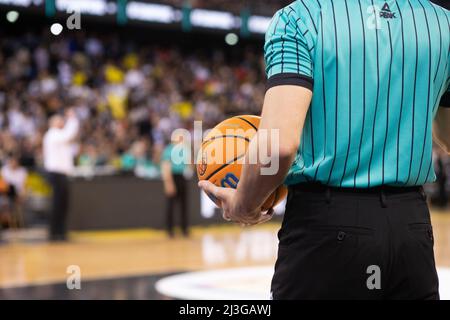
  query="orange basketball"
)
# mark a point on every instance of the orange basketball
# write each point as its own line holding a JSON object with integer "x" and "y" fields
{"x": 222, "y": 154}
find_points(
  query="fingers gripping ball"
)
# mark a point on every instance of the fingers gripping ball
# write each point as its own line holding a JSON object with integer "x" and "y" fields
{"x": 222, "y": 154}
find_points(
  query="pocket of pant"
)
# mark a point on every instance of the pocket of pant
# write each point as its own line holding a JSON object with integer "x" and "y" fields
{"x": 419, "y": 250}
{"x": 423, "y": 231}
{"x": 330, "y": 253}
{"x": 324, "y": 234}
{"x": 351, "y": 230}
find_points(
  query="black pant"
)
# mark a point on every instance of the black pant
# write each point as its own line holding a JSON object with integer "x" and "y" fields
{"x": 60, "y": 203}
{"x": 180, "y": 198}
{"x": 337, "y": 244}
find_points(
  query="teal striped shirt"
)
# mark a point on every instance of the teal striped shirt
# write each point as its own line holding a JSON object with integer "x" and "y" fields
{"x": 378, "y": 71}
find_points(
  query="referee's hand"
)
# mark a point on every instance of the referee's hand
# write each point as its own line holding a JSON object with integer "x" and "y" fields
{"x": 232, "y": 209}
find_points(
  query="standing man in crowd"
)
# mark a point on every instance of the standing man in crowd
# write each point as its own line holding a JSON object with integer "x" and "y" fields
{"x": 173, "y": 167}
{"x": 353, "y": 88}
{"x": 59, "y": 164}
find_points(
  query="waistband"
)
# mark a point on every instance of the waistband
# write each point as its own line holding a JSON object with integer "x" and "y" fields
{"x": 321, "y": 188}
{"x": 383, "y": 192}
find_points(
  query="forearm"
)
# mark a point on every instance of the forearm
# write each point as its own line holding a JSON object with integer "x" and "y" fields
{"x": 279, "y": 133}
{"x": 254, "y": 187}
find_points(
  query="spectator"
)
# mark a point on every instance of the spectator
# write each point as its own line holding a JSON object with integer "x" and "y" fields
{"x": 12, "y": 192}
{"x": 58, "y": 161}
{"x": 15, "y": 175}
{"x": 125, "y": 93}
{"x": 174, "y": 164}
{"x": 120, "y": 97}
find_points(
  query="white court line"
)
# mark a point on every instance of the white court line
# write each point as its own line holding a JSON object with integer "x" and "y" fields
{"x": 240, "y": 284}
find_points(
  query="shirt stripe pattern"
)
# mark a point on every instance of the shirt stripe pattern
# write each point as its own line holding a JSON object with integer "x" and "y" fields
{"x": 379, "y": 71}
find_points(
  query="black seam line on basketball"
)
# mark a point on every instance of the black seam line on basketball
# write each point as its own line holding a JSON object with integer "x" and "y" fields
{"x": 440, "y": 43}
{"x": 251, "y": 124}
{"x": 376, "y": 106}
{"x": 364, "y": 95}
{"x": 388, "y": 105}
{"x": 226, "y": 136}
{"x": 428, "y": 95}
{"x": 402, "y": 94}
{"x": 336, "y": 97}
{"x": 349, "y": 96}
{"x": 414, "y": 95}
{"x": 225, "y": 165}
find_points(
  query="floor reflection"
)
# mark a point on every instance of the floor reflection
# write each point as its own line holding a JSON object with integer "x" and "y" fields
{"x": 132, "y": 288}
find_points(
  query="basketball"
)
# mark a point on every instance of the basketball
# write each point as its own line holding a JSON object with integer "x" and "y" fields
{"x": 222, "y": 154}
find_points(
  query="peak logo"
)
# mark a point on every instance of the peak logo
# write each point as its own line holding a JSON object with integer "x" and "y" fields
{"x": 386, "y": 12}
{"x": 377, "y": 14}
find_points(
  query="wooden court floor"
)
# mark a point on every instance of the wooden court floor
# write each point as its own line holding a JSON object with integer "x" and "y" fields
{"x": 104, "y": 255}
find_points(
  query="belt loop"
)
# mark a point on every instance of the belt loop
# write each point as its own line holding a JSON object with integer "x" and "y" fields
{"x": 423, "y": 194}
{"x": 328, "y": 195}
{"x": 383, "y": 199}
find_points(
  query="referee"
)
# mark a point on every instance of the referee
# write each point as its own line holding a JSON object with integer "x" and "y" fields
{"x": 353, "y": 89}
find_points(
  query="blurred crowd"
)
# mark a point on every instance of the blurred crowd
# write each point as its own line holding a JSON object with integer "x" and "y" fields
{"x": 128, "y": 98}
{"x": 258, "y": 7}
{"x": 267, "y": 8}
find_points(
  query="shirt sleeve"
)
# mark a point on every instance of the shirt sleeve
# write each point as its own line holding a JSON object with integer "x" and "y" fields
{"x": 287, "y": 56}
{"x": 69, "y": 132}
